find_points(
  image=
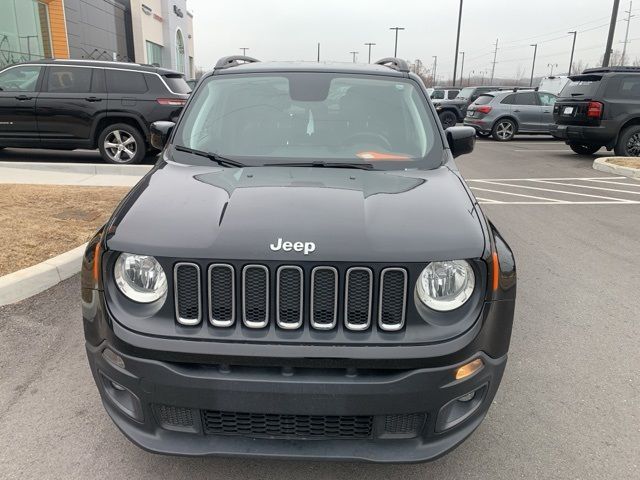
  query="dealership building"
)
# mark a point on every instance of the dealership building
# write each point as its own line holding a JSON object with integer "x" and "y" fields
{"x": 158, "y": 32}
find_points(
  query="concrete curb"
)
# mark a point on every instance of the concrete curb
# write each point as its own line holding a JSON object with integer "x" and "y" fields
{"x": 27, "y": 282}
{"x": 602, "y": 165}
{"x": 86, "y": 168}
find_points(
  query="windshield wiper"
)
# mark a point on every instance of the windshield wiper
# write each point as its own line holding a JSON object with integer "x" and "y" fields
{"x": 361, "y": 166}
{"x": 225, "y": 162}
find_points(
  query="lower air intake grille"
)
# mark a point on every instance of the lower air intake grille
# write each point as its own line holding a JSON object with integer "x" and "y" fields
{"x": 170, "y": 416}
{"x": 187, "y": 293}
{"x": 286, "y": 426}
{"x": 404, "y": 424}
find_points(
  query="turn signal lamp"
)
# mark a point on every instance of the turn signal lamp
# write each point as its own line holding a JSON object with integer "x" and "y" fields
{"x": 469, "y": 369}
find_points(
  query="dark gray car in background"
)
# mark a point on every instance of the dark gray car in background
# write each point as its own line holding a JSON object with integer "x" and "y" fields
{"x": 507, "y": 113}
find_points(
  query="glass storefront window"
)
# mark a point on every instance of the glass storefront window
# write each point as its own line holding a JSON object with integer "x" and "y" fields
{"x": 24, "y": 31}
{"x": 154, "y": 54}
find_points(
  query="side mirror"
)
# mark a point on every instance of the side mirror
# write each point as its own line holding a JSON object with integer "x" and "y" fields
{"x": 159, "y": 133}
{"x": 461, "y": 140}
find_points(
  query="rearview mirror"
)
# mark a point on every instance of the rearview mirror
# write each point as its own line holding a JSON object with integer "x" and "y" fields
{"x": 461, "y": 140}
{"x": 159, "y": 133}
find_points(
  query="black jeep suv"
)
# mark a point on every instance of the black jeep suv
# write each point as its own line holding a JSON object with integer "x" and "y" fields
{"x": 600, "y": 108}
{"x": 304, "y": 273}
{"x": 453, "y": 111}
{"x": 69, "y": 104}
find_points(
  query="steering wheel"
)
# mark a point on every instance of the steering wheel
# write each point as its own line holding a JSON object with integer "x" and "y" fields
{"x": 368, "y": 137}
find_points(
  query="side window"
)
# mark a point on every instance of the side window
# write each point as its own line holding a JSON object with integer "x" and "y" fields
{"x": 20, "y": 79}
{"x": 547, "y": 99}
{"x": 437, "y": 95}
{"x": 526, "y": 98}
{"x": 623, "y": 87}
{"x": 127, "y": 82}
{"x": 68, "y": 80}
{"x": 451, "y": 94}
{"x": 509, "y": 99}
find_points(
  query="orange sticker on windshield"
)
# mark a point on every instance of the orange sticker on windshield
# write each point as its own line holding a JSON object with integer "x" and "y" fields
{"x": 381, "y": 156}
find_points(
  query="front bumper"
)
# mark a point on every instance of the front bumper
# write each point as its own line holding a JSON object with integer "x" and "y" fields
{"x": 195, "y": 409}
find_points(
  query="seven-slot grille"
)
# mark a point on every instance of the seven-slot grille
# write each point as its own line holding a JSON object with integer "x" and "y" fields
{"x": 361, "y": 294}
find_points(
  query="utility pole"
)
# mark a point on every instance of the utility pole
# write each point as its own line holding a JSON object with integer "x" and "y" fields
{"x": 435, "y": 67}
{"x": 626, "y": 35}
{"x": 612, "y": 31}
{"x": 244, "y": 50}
{"x": 462, "y": 69}
{"x": 455, "y": 57}
{"x": 493, "y": 68}
{"x": 395, "y": 49}
{"x": 369, "y": 45}
{"x": 318, "y": 52}
{"x": 469, "y": 79}
{"x": 551, "y": 65}
{"x": 354, "y": 56}
{"x": 482, "y": 73}
{"x": 533, "y": 67}
{"x": 573, "y": 48}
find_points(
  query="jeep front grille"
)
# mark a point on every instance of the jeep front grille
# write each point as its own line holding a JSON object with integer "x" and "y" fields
{"x": 188, "y": 293}
{"x": 321, "y": 295}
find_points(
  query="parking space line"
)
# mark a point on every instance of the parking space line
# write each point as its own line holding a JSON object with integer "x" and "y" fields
{"x": 542, "y": 178}
{"x": 538, "y": 150}
{"x": 487, "y": 200}
{"x": 560, "y": 202}
{"x": 516, "y": 194}
{"x": 489, "y": 182}
{"x": 614, "y": 183}
{"x": 592, "y": 187}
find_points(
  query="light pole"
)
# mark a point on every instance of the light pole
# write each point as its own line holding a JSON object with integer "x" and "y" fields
{"x": 573, "y": 48}
{"x": 461, "y": 69}
{"x": 626, "y": 35}
{"x": 469, "y": 78}
{"x": 435, "y": 67}
{"x": 395, "y": 49}
{"x": 354, "y": 56}
{"x": 369, "y": 45}
{"x": 455, "y": 57}
{"x": 612, "y": 31}
{"x": 244, "y": 50}
{"x": 551, "y": 65}
{"x": 533, "y": 67}
{"x": 482, "y": 74}
{"x": 318, "y": 52}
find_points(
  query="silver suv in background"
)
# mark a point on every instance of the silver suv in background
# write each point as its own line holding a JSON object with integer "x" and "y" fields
{"x": 505, "y": 114}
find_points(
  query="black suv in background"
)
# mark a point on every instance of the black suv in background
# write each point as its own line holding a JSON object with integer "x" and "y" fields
{"x": 600, "y": 108}
{"x": 453, "y": 111}
{"x": 67, "y": 104}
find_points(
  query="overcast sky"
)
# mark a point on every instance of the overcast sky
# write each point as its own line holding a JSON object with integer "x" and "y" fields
{"x": 291, "y": 29}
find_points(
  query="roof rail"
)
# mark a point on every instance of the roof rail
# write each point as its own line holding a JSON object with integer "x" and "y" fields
{"x": 233, "y": 61}
{"x": 611, "y": 69}
{"x": 395, "y": 63}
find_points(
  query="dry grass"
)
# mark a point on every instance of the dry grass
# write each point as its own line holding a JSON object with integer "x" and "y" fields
{"x": 38, "y": 222}
{"x": 631, "y": 162}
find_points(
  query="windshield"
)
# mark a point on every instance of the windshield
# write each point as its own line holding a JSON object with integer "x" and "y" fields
{"x": 312, "y": 117}
{"x": 465, "y": 93}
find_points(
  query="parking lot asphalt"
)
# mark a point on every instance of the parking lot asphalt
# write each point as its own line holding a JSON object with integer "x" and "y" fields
{"x": 569, "y": 403}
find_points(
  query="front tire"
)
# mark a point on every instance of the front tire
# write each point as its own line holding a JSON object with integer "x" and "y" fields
{"x": 448, "y": 119}
{"x": 629, "y": 142}
{"x": 121, "y": 144}
{"x": 584, "y": 149}
{"x": 504, "y": 130}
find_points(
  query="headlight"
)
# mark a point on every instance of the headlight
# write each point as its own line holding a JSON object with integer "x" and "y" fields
{"x": 445, "y": 286}
{"x": 140, "y": 277}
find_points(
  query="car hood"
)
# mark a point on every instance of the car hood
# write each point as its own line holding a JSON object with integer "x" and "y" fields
{"x": 351, "y": 215}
